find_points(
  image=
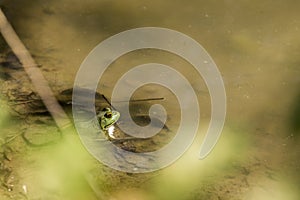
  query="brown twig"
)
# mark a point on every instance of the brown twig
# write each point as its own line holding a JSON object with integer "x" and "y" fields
{"x": 137, "y": 100}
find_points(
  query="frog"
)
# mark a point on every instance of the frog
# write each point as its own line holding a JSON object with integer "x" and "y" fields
{"x": 107, "y": 118}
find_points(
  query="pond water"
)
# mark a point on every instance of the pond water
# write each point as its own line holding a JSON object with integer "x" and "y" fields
{"x": 256, "y": 46}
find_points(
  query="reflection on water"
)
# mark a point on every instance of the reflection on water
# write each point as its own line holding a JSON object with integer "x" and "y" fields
{"x": 256, "y": 47}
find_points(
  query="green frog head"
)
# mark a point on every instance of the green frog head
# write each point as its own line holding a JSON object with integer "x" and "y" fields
{"x": 108, "y": 117}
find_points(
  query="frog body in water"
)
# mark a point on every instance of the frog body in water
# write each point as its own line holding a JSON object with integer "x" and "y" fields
{"x": 108, "y": 119}
{"x": 106, "y": 116}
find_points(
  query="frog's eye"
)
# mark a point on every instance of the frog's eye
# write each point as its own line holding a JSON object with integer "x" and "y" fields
{"x": 108, "y": 115}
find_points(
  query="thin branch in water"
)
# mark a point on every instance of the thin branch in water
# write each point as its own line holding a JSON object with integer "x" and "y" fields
{"x": 137, "y": 100}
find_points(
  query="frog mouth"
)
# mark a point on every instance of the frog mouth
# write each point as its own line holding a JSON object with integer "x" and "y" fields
{"x": 108, "y": 125}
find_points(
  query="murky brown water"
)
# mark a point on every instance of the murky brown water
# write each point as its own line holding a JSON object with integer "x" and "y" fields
{"x": 256, "y": 47}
